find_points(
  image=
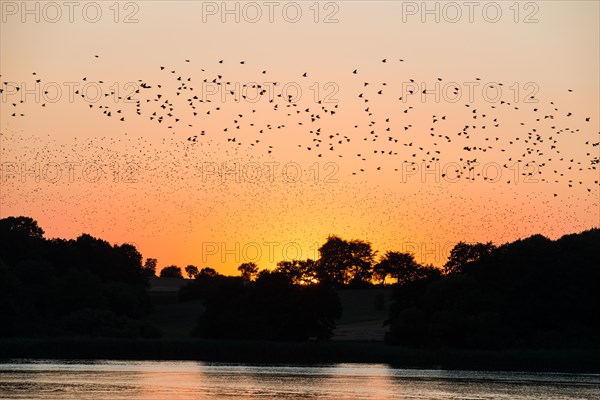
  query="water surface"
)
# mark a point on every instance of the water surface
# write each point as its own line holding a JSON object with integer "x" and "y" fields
{"x": 178, "y": 380}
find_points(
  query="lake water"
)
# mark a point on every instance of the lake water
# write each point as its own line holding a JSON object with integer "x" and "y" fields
{"x": 179, "y": 380}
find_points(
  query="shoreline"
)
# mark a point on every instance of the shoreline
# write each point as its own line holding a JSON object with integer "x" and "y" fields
{"x": 263, "y": 352}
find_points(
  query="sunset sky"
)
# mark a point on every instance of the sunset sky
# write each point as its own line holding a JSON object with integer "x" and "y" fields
{"x": 512, "y": 99}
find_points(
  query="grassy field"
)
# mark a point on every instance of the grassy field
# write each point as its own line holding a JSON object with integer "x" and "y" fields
{"x": 175, "y": 319}
{"x": 363, "y": 314}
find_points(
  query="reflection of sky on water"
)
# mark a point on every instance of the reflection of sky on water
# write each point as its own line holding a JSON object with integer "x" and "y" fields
{"x": 179, "y": 380}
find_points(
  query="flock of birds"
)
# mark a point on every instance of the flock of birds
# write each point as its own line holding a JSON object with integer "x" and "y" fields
{"x": 535, "y": 146}
{"x": 534, "y": 134}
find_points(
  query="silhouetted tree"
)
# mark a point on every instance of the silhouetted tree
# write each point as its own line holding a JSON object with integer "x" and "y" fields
{"x": 20, "y": 227}
{"x": 206, "y": 281}
{"x": 150, "y": 266}
{"x": 463, "y": 254}
{"x": 403, "y": 268}
{"x": 428, "y": 271}
{"x": 191, "y": 271}
{"x": 171, "y": 271}
{"x": 342, "y": 261}
{"x": 298, "y": 271}
{"x": 84, "y": 286}
{"x": 207, "y": 272}
{"x": 248, "y": 270}
{"x": 529, "y": 293}
{"x": 20, "y": 238}
{"x": 130, "y": 261}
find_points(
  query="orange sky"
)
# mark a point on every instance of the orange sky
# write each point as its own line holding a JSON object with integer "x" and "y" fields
{"x": 144, "y": 182}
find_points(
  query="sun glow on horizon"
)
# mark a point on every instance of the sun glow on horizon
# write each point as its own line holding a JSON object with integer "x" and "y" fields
{"x": 185, "y": 146}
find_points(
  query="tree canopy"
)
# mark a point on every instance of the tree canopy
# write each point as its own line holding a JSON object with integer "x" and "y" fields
{"x": 172, "y": 271}
{"x": 84, "y": 286}
{"x": 342, "y": 261}
{"x": 463, "y": 254}
{"x": 248, "y": 270}
{"x": 530, "y": 293}
{"x": 403, "y": 268}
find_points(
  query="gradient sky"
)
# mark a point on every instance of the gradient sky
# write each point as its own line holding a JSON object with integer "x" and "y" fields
{"x": 158, "y": 190}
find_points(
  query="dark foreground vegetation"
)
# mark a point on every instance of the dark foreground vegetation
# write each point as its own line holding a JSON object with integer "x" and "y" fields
{"x": 530, "y": 293}
{"x": 530, "y": 304}
{"x": 62, "y": 287}
{"x": 271, "y": 307}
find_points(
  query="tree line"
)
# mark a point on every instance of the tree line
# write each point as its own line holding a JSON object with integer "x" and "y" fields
{"x": 275, "y": 304}
{"x": 531, "y": 292}
{"x": 346, "y": 263}
{"x": 80, "y": 287}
